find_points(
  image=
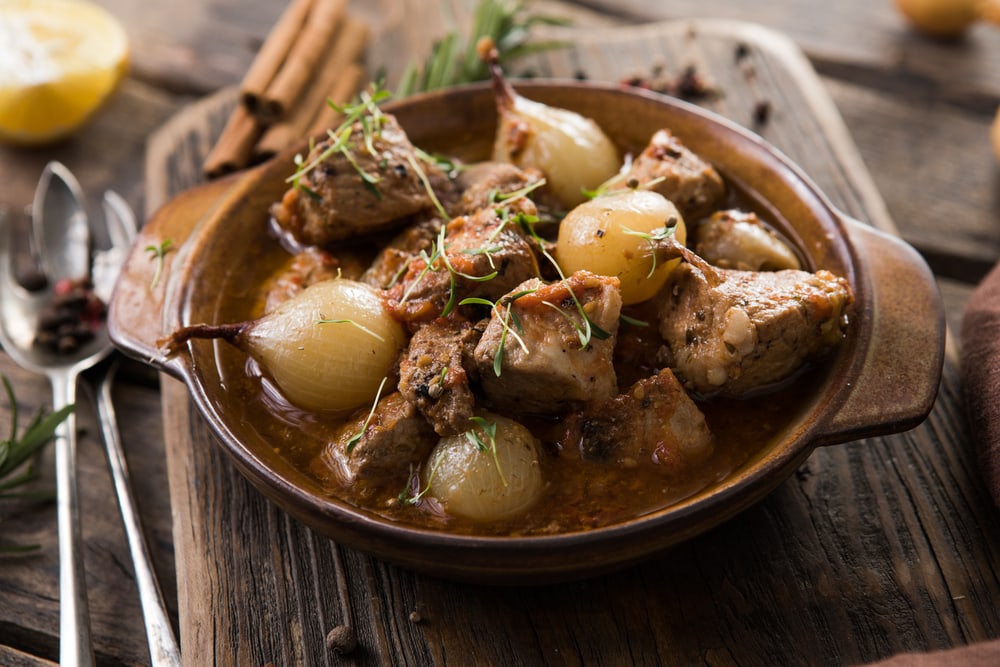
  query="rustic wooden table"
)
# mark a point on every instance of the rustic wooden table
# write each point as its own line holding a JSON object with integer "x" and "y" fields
{"x": 872, "y": 548}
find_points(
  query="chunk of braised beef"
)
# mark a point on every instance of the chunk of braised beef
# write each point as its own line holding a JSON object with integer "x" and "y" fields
{"x": 653, "y": 423}
{"x": 545, "y": 367}
{"x": 433, "y": 375}
{"x": 735, "y": 332}
{"x": 484, "y": 255}
{"x": 667, "y": 166}
{"x": 394, "y": 259}
{"x": 485, "y": 183}
{"x": 369, "y": 186}
{"x": 375, "y": 455}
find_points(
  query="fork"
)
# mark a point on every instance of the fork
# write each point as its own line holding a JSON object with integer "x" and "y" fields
{"x": 163, "y": 648}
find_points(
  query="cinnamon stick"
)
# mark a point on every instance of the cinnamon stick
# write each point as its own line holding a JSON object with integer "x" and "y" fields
{"x": 329, "y": 83}
{"x": 273, "y": 52}
{"x": 347, "y": 86}
{"x": 235, "y": 145}
{"x": 300, "y": 64}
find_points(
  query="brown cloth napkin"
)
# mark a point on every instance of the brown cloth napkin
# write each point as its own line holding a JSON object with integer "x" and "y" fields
{"x": 981, "y": 376}
{"x": 984, "y": 654}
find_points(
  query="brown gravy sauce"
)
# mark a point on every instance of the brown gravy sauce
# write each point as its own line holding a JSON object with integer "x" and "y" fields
{"x": 579, "y": 495}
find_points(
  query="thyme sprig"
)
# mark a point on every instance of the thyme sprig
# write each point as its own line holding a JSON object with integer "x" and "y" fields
{"x": 16, "y": 452}
{"x": 508, "y": 319}
{"x": 668, "y": 230}
{"x": 357, "y": 325}
{"x": 589, "y": 329}
{"x": 356, "y": 438}
{"x": 437, "y": 260}
{"x": 489, "y": 445}
{"x": 158, "y": 254}
{"x": 369, "y": 116}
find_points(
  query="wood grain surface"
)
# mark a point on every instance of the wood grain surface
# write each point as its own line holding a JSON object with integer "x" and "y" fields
{"x": 766, "y": 582}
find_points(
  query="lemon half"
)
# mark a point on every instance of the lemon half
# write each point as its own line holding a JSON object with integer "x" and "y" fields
{"x": 59, "y": 60}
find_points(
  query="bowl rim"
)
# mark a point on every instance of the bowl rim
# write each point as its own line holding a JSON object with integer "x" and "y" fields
{"x": 700, "y": 512}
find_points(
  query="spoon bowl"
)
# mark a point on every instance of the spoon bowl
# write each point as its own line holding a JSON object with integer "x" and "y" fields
{"x": 61, "y": 236}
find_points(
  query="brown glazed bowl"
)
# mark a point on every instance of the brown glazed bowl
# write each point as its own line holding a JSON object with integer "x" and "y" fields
{"x": 883, "y": 378}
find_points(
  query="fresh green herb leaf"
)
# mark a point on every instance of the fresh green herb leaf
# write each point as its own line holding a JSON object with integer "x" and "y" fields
{"x": 365, "y": 113}
{"x": 508, "y": 317}
{"x": 157, "y": 254}
{"x": 422, "y": 175}
{"x": 16, "y": 469}
{"x": 354, "y": 324}
{"x": 589, "y": 329}
{"x": 356, "y": 438}
{"x": 489, "y": 430}
{"x": 633, "y": 321}
{"x": 450, "y": 62}
{"x": 659, "y": 234}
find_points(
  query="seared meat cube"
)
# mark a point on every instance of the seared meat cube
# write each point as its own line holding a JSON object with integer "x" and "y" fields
{"x": 476, "y": 247}
{"x": 312, "y": 265}
{"x": 378, "y": 456}
{"x": 333, "y": 200}
{"x": 432, "y": 374}
{"x": 654, "y": 423}
{"x": 739, "y": 240}
{"x": 481, "y": 182}
{"x": 394, "y": 259}
{"x": 732, "y": 332}
{"x": 692, "y": 184}
{"x": 544, "y": 367}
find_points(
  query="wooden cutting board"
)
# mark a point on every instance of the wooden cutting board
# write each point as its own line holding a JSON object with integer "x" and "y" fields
{"x": 857, "y": 557}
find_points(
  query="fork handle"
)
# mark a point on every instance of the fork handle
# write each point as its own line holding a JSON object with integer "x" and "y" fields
{"x": 163, "y": 649}
{"x": 75, "y": 647}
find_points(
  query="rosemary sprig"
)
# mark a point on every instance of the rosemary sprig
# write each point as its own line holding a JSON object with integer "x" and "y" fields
{"x": 451, "y": 62}
{"x": 16, "y": 451}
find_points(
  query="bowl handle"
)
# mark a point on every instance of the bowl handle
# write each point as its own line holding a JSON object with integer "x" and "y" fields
{"x": 144, "y": 305}
{"x": 901, "y": 355}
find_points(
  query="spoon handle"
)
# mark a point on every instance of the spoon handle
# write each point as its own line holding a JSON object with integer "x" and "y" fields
{"x": 74, "y": 616}
{"x": 163, "y": 649}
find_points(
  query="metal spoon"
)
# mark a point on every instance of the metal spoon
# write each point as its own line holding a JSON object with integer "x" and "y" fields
{"x": 62, "y": 244}
{"x": 57, "y": 206}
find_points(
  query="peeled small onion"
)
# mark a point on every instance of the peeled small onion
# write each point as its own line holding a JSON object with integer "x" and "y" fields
{"x": 473, "y": 483}
{"x": 571, "y": 150}
{"x": 326, "y": 348}
{"x": 605, "y": 236}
